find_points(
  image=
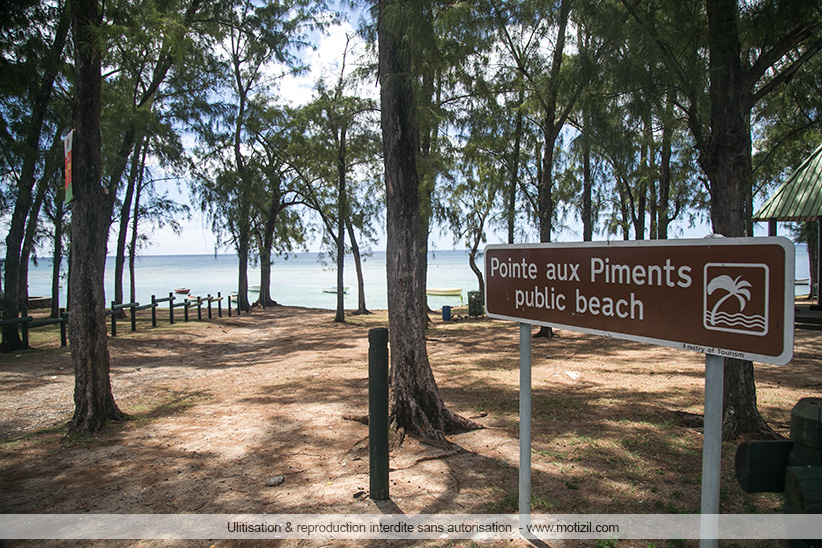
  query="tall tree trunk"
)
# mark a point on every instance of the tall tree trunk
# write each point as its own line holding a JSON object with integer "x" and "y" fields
{"x": 640, "y": 201}
{"x": 545, "y": 206}
{"x": 472, "y": 262}
{"x": 135, "y": 222}
{"x": 31, "y": 230}
{"x": 265, "y": 275}
{"x": 57, "y": 250}
{"x": 93, "y": 399}
{"x": 14, "y": 239}
{"x": 552, "y": 126}
{"x": 416, "y": 403}
{"x": 244, "y": 235}
{"x": 624, "y": 207}
{"x": 342, "y": 214}
{"x": 125, "y": 216}
{"x": 587, "y": 185}
{"x": 545, "y": 198}
{"x": 663, "y": 206}
{"x": 267, "y": 244}
{"x": 513, "y": 181}
{"x": 653, "y": 180}
{"x": 812, "y": 231}
{"x": 53, "y": 163}
{"x": 355, "y": 251}
{"x": 726, "y": 160}
{"x": 265, "y": 272}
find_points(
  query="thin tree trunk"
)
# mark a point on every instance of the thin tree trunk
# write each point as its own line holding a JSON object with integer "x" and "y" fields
{"x": 242, "y": 258}
{"x": 266, "y": 244}
{"x": 342, "y": 213}
{"x": 663, "y": 206}
{"x": 812, "y": 231}
{"x": 57, "y": 251}
{"x": 132, "y": 253}
{"x": 93, "y": 399}
{"x": 355, "y": 251}
{"x": 513, "y": 181}
{"x": 624, "y": 207}
{"x": 265, "y": 299}
{"x": 125, "y": 216}
{"x": 31, "y": 230}
{"x": 416, "y": 403}
{"x": 587, "y": 185}
{"x": 132, "y": 246}
{"x": 14, "y": 239}
{"x": 472, "y": 262}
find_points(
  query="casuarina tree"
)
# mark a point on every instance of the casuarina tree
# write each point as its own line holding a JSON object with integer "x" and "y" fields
{"x": 93, "y": 399}
{"x": 416, "y": 403}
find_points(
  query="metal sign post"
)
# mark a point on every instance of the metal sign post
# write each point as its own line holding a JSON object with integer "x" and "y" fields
{"x": 524, "y": 424}
{"x": 711, "y": 450}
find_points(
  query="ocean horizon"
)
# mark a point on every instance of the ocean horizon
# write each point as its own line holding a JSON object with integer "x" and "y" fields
{"x": 298, "y": 279}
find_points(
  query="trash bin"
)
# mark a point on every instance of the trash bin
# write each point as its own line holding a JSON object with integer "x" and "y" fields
{"x": 446, "y": 313}
{"x": 475, "y": 304}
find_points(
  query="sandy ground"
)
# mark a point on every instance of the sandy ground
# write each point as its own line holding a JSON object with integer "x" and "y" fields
{"x": 220, "y": 408}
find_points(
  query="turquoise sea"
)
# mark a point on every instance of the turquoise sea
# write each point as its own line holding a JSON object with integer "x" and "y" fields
{"x": 297, "y": 280}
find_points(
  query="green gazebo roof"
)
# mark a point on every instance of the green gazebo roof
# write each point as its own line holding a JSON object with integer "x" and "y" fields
{"x": 800, "y": 197}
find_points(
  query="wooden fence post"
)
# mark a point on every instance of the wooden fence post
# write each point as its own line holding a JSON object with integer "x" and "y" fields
{"x": 170, "y": 307}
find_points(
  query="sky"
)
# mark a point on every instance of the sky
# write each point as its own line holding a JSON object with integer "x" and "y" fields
{"x": 196, "y": 237}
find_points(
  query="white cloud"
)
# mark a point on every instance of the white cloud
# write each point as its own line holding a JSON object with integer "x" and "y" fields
{"x": 324, "y": 61}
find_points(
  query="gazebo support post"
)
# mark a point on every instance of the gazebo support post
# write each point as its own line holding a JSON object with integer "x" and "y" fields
{"x": 818, "y": 263}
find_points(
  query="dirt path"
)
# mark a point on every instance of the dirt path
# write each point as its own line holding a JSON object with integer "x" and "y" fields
{"x": 222, "y": 408}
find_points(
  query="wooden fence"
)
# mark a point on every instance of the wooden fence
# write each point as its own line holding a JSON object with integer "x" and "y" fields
{"x": 27, "y": 322}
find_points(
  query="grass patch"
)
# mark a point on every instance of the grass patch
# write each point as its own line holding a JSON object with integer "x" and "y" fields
{"x": 41, "y": 435}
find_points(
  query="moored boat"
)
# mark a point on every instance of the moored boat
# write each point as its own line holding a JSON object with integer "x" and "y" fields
{"x": 445, "y": 292}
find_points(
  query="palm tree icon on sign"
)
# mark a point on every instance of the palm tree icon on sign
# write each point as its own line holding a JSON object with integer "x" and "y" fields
{"x": 727, "y": 297}
{"x": 734, "y": 287}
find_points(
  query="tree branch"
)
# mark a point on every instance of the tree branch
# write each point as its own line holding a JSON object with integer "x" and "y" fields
{"x": 788, "y": 73}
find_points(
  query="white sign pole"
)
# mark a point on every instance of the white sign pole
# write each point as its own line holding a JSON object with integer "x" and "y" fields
{"x": 711, "y": 450}
{"x": 524, "y": 424}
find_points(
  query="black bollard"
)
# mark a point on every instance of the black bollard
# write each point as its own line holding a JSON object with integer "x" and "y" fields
{"x": 378, "y": 412}
{"x": 24, "y": 327}
{"x": 64, "y": 320}
{"x": 113, "y": 319}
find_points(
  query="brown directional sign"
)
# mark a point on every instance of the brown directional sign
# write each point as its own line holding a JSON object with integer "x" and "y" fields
{"x": 731, "y": 297}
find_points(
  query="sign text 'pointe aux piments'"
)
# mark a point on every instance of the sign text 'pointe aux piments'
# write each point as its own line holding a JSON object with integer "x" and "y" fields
{"x": 726, "y": 296}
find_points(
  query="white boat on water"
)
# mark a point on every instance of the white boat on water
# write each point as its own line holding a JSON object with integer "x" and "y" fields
{"x": 440, "y": 292}
{"x": 334, "y": 290}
